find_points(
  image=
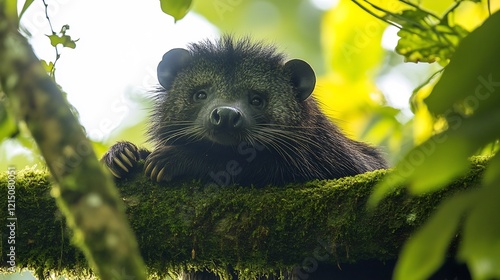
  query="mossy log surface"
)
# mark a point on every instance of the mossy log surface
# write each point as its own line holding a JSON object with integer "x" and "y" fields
{"x": 255, "y": 231}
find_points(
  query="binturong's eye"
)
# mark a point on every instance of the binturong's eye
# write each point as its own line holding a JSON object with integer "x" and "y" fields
{"x": 257, "y": 101}
{"x": 200, "y": 95}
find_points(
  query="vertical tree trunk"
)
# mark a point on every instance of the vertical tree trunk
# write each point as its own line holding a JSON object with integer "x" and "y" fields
{"x": 84, "y": 193}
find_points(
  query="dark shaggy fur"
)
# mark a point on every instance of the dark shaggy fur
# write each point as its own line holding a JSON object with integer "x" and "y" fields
{"x": 285, "y": 139}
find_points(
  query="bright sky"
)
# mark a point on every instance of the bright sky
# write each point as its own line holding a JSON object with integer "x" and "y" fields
{"x": 121, "y": 43}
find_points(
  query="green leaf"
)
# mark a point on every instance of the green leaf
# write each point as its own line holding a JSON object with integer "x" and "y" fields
{"x": 424, "y": 39}
{"x": 491, "y": 174}
{"x": 68, "y": 42}
{"x": 175, "y": 8}
{"x": 480, "y": 246}
{"x": 419, "y": 167}
{"x": 64, "y": 40}
{"x": 54, "y": 39}
{"x": 468, "y": 97}
{"x": 49, "y": 67}
{"x": 472, "y": 77}
{"x": 26, "y": 5}
{"x": 453, "y": 150}
{"x": 424, "y": 253}
{"x": 414, "y": 100}
{"x": 8, "y": 124}
{"x": 441, "y": 158}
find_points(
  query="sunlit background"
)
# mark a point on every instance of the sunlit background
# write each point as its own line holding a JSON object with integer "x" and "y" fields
{"x": 363, "y": 84}
{"x": 108, "y": 75}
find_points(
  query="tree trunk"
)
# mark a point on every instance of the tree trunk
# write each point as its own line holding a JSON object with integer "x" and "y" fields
{"x": 83, "y": 191}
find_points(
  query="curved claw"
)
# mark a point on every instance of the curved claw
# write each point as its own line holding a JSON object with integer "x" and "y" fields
{"x": 154, "y": 176}
{"x": 120, "y": 164}
{"x": 148, "y": 167}
{"x": 126, "y": 159}
{"x": 114, "y": 173}
{"x": 157, "y": 170}
{"x": 130, "y": 154}
{"x": 161, "y": 174}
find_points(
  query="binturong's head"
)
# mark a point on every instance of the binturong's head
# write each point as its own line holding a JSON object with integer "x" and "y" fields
{"x": 228, "y": 92}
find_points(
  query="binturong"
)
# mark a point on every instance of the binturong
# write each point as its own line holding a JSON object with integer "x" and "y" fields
{"x": 237, "y": 112}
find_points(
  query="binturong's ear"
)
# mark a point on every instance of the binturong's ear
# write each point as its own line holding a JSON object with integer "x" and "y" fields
{"x": 302, "y": 77}
{"x": 172, "y": 62}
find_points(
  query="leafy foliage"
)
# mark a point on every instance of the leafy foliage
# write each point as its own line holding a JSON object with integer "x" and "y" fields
{"x": 466, "y": 99}
{"x": 57, "y": 39}
{"x": 424, "y": 260}
{"x": 26, "y": 151}
{"x": 425, "y": 37}
{"x": 62, "y": 38}
{"x": 436, "y": 42}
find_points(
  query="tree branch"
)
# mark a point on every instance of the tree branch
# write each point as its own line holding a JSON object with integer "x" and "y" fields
{"x": 254, "y": 231}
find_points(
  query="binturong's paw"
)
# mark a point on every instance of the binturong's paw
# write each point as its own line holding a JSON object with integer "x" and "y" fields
{"x": 121, "y": 159}
{"x": 155, "y": 167}
{"x": 159, "y": 165}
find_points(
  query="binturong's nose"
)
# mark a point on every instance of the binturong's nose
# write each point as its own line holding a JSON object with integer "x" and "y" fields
{"x": 226, "y": 118}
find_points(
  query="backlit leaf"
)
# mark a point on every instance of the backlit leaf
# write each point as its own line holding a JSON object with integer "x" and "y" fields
{"x": 49, "y": 67}
{"x": 441, "y": 158}
{"x": 424, "y": 40}
{"x": 26, "y": 5}
{"x": 175, "y": 8}
{"x": 425, "y": 251}
{"x": 480, "y": 247}
{"x": 471, "y": 79}
{"x": 472, "y": 124}
{"x": 64, "y": 40}
{"x": 491, "y": 175}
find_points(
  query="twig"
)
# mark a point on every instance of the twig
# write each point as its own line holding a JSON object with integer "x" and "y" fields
{"x": 375, "y": 15}
{"x": 420, "y": 9}
{"x": 58, "y": 55}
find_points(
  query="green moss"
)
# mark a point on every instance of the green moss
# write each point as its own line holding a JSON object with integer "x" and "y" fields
{"x": 255, "y": 231}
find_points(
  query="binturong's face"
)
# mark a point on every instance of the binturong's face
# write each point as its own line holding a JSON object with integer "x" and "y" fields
{"x": 228, "y": 93}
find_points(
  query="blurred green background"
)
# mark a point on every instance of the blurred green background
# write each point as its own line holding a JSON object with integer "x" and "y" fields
{"x": 362, "y": 83}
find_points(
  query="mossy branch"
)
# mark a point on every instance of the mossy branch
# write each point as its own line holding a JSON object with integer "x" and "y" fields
{"x": 254, "y": 231}
{"x": 83, "y": 192}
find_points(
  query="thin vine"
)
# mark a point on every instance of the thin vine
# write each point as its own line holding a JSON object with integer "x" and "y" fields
{"x": 52, "y": 71}
{"x": 56, "y": 39}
